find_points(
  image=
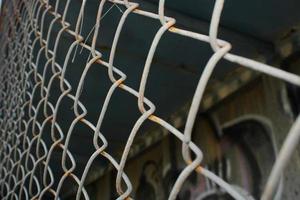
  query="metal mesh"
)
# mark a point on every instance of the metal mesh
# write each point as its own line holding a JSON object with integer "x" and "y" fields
{"x": 23, "y": 150}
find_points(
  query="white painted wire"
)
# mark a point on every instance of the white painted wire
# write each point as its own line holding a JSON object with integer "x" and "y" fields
{"x": 21, "y": 82}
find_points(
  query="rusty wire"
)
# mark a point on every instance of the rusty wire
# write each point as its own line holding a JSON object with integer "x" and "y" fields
{"x": 21, "y": 83}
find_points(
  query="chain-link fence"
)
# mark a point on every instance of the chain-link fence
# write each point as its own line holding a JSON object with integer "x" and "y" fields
{"x": 26, "y": 108}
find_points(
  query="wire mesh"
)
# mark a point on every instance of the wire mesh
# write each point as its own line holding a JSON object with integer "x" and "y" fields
{"x": 23, "y": 150}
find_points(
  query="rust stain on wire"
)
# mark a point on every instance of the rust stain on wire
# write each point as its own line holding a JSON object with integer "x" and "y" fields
{"x": 24, "y": 19}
